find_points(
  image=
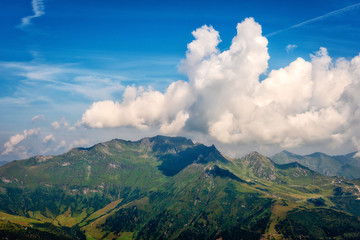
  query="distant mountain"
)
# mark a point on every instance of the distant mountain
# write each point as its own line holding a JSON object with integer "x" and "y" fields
{"x": 344, "y": 165}
{"x": 170, "y": 188}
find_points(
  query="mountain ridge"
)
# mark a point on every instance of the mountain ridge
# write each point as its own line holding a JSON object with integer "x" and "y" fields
{"x": 169, "y": 187}
{"x": 340, "y": 165}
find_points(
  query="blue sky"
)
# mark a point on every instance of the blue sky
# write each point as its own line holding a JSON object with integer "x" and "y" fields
{"x": 59, "y": 57}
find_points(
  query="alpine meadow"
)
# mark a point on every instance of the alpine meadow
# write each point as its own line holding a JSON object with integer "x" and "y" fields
{"x": 179, "y": 119}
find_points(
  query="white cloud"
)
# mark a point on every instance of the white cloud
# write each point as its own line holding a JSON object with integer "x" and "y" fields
{"x": 76, "y": 143}
{"x": 62, "y": 145}
{"x": 48, "y": 139}
{"x": 37, "y": 118}
{"x": 94, "y": 87}
{"x": 62, "y": 124}
{"x": 83, "y": 84}
{"x": 16, "y": 139}
{"x": 305, "y": 103}
{"x": 290, "y": 47}
{"x": 143, "y": 108}
{"x": 356, "y": 143}
{"x": 56, "y": 125}
{"x": 80, "y": 142}
{"x": 43, "y": 152}
{"x": 38, "y": 8}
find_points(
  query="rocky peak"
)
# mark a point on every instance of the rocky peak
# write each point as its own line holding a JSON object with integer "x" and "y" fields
{"x": 260, "y": 165}
{"x": 166, "y": 144}
{"x": 255, "y": 157}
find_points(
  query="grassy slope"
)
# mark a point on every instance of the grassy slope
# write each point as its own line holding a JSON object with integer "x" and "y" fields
{"x": 19, "y": 227}
{"x": 167, "y": 187}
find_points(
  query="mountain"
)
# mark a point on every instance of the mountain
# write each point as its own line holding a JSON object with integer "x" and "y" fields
{"x": 343, "y": 165}
{"x": 170, "y": 188}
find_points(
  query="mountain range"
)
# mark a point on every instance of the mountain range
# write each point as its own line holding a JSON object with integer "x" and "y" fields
{"x": 171, "y": 188}
{"x": 342, "y": 165}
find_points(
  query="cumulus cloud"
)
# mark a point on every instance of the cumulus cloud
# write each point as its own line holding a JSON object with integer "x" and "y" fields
{"x": 290, "y": 47}
{"x": 62, "y": 124}
{"x": 16, "y": 139}
{"x": 37, "y": 118}
{"x": 48, "y": 139}
{"x": 56, "y": 125}
{"x": 306, "y": 102}
{"x": 38, "y": 8}
{"x": 143, "y": 108}
{"x": 76, "y": 143}
{"x": 80, "y": 142}
{"x": 62, "y": 145}
{"x": 356, "y": 143}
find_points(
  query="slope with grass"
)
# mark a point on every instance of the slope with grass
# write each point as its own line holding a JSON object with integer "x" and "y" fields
{"x": 170, "y": 188}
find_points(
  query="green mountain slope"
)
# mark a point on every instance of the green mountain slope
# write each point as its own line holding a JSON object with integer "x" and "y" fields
{"x": 170, "y": 188}
{"x": 344, "y": 165}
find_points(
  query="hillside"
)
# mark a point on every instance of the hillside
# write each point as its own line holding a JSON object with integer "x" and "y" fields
{"x": 171, "y": 188}
{"x": 343, "y": 165}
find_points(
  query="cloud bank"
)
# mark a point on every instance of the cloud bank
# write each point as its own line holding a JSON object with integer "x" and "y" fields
{"x": 38, "y": 8}
{"x": 304, "y": 103}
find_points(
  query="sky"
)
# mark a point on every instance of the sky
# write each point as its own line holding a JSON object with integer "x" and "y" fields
{"x": 243, "y": 75}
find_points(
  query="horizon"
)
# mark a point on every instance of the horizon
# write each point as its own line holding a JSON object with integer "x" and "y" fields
{"x": 194, "y": 142}
{"x": 234, "y": 75}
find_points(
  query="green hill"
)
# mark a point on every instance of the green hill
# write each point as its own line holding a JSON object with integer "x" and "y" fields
{"x": 171, "y": 188}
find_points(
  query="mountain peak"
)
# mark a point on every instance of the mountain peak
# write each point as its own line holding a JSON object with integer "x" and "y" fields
{"x": 317, "y": 154}
{"x": 173, "y": 163}
{"x": 254, "y": 153}
{"x": 284, "y": 157}
{"x": 260, "y": 165}
{"x": 286, "y": 152}
{"x": 166, "y": 139}
{"x": 216, "y": 171}
{"x": 256, "y": 157}
{"x": 166, "y": 144}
